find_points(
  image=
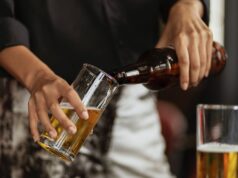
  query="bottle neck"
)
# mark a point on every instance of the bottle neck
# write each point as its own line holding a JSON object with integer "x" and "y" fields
{"x": 142, "y": 71}
{"x": 132, "y": 74}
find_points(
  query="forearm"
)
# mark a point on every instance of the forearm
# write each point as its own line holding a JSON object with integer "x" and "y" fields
{"x": 22, "y": 64}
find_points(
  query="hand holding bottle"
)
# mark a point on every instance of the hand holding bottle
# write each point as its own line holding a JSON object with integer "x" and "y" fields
{"x": 192, "y": 40}
{"x": 159, "y": 68}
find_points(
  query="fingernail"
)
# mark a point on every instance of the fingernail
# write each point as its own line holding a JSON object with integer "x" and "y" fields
{"x": 72, "y": 129}
{"x": 85, "y": 114}
{"x": 185, "y": 86}
{"x": 52, "y": 133}
{"x": 207, "y": 73}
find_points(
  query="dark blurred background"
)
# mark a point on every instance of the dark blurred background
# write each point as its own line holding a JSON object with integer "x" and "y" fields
{"x": 222, "y": 89}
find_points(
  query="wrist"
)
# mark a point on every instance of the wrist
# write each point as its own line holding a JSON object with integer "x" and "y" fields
{"x": 195, "y": 5}
{"x": 22, "y": 64}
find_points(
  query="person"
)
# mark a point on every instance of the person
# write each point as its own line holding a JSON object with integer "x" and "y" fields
{"x": 43, "y": 44}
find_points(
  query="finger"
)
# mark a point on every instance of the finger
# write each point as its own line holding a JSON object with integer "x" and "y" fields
{"x": 207, "y": 46}
{"x": 42, "y": 114}
{"x": 58, "y": 113}
{"x": 194, "y": 61}
{"x": 53, "y": 97}
{"x": 33, "y": 120}
{"x": 183, "y": 58}
{"x": 73, "y": 98}
{"x": 209, "y": 54}
{"x": 203, "y": 58}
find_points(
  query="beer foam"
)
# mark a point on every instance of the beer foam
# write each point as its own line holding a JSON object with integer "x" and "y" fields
{"x": 65, "y": 105}
{"x": 92, "y": 108}
{"x": 217, "y": 148}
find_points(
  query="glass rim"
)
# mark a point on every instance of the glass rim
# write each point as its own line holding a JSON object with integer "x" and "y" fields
{"x": 102, "y": 71}
{"x": 217, "y": 106}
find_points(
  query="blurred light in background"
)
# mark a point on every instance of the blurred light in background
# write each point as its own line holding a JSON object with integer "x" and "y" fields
{"x": 217, "y": 19}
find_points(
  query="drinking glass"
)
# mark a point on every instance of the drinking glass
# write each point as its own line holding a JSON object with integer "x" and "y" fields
{"x": 95, "y": 88}
{"x": 217, "y": 141}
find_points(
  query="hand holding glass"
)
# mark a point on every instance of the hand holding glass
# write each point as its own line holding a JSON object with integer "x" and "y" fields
{"x": 96, "y": 89}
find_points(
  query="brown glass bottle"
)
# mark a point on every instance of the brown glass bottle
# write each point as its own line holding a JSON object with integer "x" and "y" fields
{"x": 158, "y": 68}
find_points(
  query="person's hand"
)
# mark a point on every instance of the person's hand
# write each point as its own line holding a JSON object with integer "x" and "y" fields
{"x": 45, "y": 87}
{"x": 46, "y": 92}
{"x": 192, "y": 40}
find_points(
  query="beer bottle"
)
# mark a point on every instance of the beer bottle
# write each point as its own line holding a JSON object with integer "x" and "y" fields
{"x": 158, "y": 68}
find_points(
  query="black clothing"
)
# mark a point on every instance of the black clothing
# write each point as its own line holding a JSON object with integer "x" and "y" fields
{"x": 66, "y": 34}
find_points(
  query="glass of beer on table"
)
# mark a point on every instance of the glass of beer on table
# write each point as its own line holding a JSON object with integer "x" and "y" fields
{"x": 217, "y": 141}
{"x": 95, "y": 88}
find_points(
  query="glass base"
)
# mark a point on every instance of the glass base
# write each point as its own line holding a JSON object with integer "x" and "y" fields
{"x": 49, "y": 145}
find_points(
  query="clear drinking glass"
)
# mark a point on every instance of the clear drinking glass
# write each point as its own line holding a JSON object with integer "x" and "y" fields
{"x": 217, "y": 141}
{"x": 95, "y": 88}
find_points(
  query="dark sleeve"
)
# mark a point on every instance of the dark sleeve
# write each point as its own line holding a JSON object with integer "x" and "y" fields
{"x": 165, "y": 6}
{"x": 206, "y": 10}
{"x": 12, "y": 31}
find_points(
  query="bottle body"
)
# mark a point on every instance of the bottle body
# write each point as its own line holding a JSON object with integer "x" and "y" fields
{"x": 158, "y": 68}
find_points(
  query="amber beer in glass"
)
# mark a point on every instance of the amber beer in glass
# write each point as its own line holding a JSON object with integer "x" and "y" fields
{"x": 217, "y": 141}
{"x": 95, "y": 88}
